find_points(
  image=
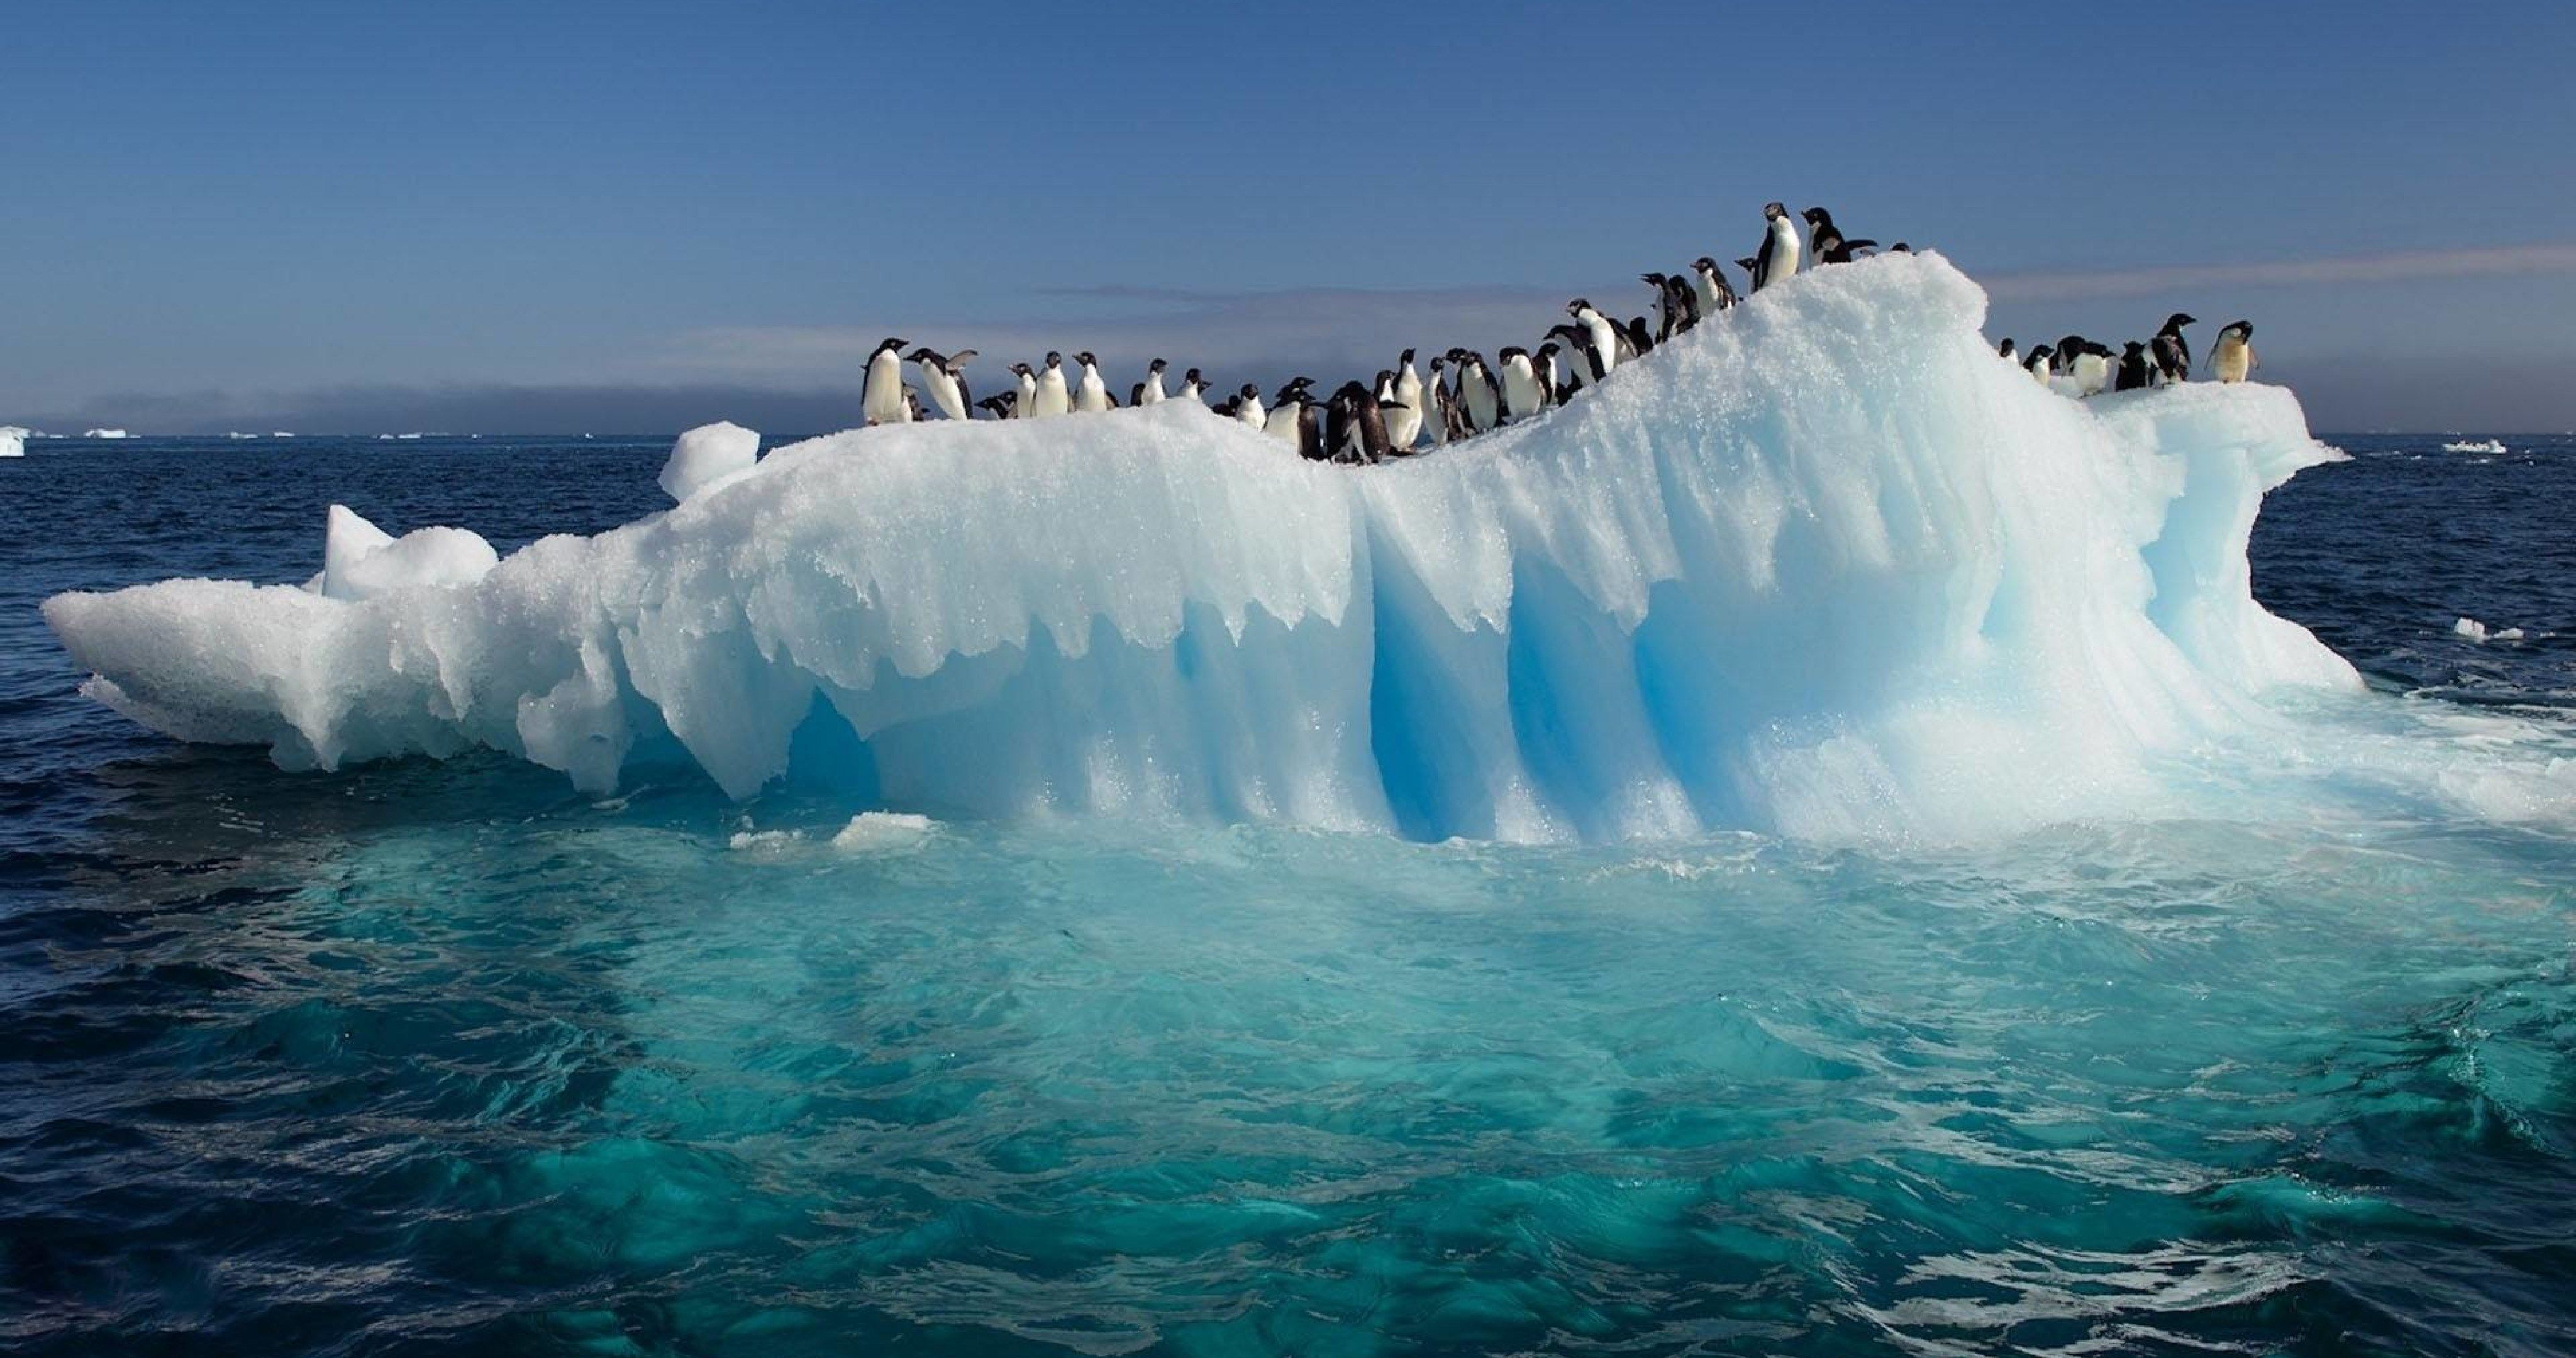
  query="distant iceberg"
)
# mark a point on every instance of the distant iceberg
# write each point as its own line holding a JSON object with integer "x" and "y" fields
{"x": 105, "y": 434}
{"x": 1820, "y": 567}
{"x": 13, "y": 441}
{"x": 2491, "y": 446}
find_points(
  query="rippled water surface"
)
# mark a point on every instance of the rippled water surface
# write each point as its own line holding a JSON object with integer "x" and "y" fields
{"x": 447, "y": 1058}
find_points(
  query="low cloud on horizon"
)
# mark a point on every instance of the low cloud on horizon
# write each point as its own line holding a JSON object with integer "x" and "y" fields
{"x": 790, "y": 379}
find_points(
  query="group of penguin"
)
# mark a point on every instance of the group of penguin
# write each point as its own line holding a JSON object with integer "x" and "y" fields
{"x": 2089, "y": 369}
{"x": 1465, "y": 395}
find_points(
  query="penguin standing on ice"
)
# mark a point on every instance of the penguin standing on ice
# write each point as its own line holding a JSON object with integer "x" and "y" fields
{"x": 1478, "y": 400}
{"x": 1524, "y": 395}
{"x": 940, "y": 376}
{"x": 1288, "y": 409}
{"x": 1090, "y": 394}
{"x": 1600, "y": 334}
{"x": 1827, "y": 245}
{"x": 1549, "y": 363}
{"x": 1714, "y": 293}
{"x": 1052, "y": 398}
{"x": 2172, "y": 351}
{"x": 1639, "y": 339}
{"x": 2005, "y": 352}
{"x": 1440, "y": 417}
{"x": 1778, "y": 257}
{"x": 1024, "y": 406}
{"x": 1355, "y": 427}
{"x": 2133, "y": 368}
{"x": 1404, "y": 417}
{"x": 1194, "y": 387}
{"x": 881, "y": 393}
{"x": 1150, "y": 391}
{"x": 1677, "y": 307}
{"x": 998, "y": 406}
{"x": 1581, "y": 367}
{"x": 2042, "y": 359}
{"x": 2232, "y": 357}
{"x": 2090, "y": 367}
{"x": 1247, "y": 407}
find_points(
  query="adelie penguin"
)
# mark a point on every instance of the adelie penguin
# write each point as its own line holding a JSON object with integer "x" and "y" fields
{"x": 2133, "y": 368}
{"x": 2005, "y": 352}
{"x": 2231, "y": 359}
{"x": 942, "y": 378}
{"x": 1290, "y": 410}
{"x": 1440, "y": 418}
{"x": 1090, "y": 394}
{"x": 881, "y": 393}
{"x": 1150, "y": 391}
{"x": 1193, "y": 387}
{"x": 1639, "y": 339}
{"x": 1778, "y": 257}
{"x": 1404, "y": 418}
{"x": 1575, "y": 343}
{"x": 1550, "y": 363}
{"x": 2172, "y": 351}
{"x": 1052, "y": 398}
{"x": 1355, "y": 426}
{"x": 1826, "y": 241}
{"x": 2041, "y": 359}
{"x": 998, "y": 406}
{"x": 1478, "y": 398}
{"x": 1025, "y": 405}
{"x": 1247, "y": 407}
{"x": 1524, "y": 394}
{"x": 1709, "y": 283}
{"x": 1601, "y": 336}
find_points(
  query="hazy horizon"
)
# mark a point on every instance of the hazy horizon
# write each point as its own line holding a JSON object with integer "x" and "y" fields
{"x": 494, "y": 220}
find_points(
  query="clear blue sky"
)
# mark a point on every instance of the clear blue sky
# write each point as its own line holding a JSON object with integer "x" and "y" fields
{"x": 558, "y": 216}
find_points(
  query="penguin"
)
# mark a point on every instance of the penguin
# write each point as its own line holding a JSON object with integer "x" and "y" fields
{"x": 1150, "y": 391}
{"x": 1524, "y": 395}
{"x": 1551, "y": 373}
{"x": 1026, "y": 406}
{"x": 1778, "y": 257}
{"x": 999, "y": 405}
{"x": 940, "y": 377}
{"x": 2067, "y": 351}
{"x": 2039, "y": 362}
{"x": 2005, "y": 352}
{"x": 1575, "y": 343}
{"x": 1601, "y": 334}
{"x": 1404, "y": 419}
{"x": 911, "y": 406}
{"x": 1680, "y": 307}
{"x": 2172, "y": 351}
{"x": 1287, "y": 409}
{"x": 881, "y": 394}
{"x": 2091, "y": 369}
{"x": 1748, "y": 264}
{"x": 2133, "y": 368}
{"x": 1052, "y": 398}
{"x": 1440, "y": 418}
{"x": 1193, "y": 387}
{"x": 1478, "y": 399}
{"x": 1310, "y": 425}
{"x": 1639, "y": 341}
{"x": 1709, "y": 285}
{"x": 1900, "y": 248}
{"x": 1355, "y": 426}
{"x": 1247, "y": 407}
{"x": 1660, "y": 314}
{"x": 1090, "y": 394}
{"x": 2232, "y": 357}
{"x": 1136, "y": 396}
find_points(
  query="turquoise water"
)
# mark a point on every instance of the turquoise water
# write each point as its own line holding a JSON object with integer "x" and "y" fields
{"x": 448, "y": 1058}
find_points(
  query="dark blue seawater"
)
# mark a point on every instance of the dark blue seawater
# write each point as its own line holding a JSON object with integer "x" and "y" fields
{"x": 427, "y": 1058}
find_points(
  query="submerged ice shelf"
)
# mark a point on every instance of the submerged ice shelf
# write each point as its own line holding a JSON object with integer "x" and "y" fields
{"x": 1825, "y": 566}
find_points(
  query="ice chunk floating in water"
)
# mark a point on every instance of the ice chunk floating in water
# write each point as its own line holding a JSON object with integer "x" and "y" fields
{"x": 13, "y": 441}
{"x": 1825, "y": 566}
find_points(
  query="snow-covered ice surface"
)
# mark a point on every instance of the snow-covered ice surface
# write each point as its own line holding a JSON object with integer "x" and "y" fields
{"x": 13, "y": 441}
{"x": 1824, "y": 567}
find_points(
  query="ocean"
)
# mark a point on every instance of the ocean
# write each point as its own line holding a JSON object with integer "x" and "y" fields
{"x": 450, "y": 1058}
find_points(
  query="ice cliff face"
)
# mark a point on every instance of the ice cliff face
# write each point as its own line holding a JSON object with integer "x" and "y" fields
{"x": 1824, "y": 566}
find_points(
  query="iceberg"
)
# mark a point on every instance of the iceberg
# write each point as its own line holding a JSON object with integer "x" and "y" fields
{"x": 13, "y": 441}
{"x": 105, "y": 434}
{"x": 1824, "y": 566}
{"x": 2492, "y": 446}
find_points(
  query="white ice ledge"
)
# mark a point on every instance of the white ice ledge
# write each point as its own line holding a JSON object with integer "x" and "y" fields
{"x": 1825, "y": 566}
